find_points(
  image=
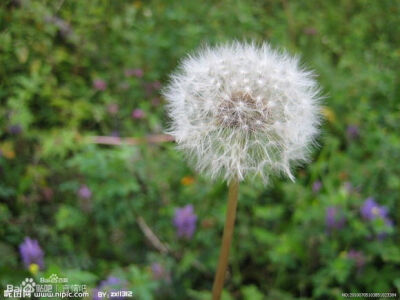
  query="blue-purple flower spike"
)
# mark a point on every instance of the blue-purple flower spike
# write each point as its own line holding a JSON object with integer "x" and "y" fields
{"x": 31, "y": 253}
{"x": 185, "y": 221}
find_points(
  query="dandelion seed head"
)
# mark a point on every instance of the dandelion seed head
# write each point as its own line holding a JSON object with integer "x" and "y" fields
{"x": 242, "y": 109}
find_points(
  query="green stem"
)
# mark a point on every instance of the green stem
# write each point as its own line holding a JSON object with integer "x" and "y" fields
{"x": 226, "y": 239}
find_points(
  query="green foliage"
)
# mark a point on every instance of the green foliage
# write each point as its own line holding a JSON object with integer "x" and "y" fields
{"x": 52, "y": 53}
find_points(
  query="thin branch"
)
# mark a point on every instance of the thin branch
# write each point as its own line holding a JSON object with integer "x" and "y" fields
{"x": 117, "y": 141}
{"x": 163, "y": 248}
{"x": 153, "y": 239}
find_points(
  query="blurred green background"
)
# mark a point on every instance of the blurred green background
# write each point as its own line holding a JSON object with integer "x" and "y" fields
{"x": 70, "y": 70}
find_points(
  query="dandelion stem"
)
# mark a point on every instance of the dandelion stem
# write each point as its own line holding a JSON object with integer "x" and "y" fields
{"x": 226, "y": 239}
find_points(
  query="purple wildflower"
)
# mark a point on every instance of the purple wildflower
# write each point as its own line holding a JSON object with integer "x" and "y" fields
{"x": 333, "y": 218}
{"x": 99, "y": 84}
{"x": 84, "y": 192}
{"x": 353, "y": 132}
{"x": 185, "y": 221}
{"x": 372, "y": 210}
{"x": 316, "y": 187}
{"x": 31, "y": 253}
{"x": 138, "y": 114}
{"x": 15, "y": 129}
{"x": 358, "y": 258}
{"x": 134, "y": 73}
{"x": 111, "y": 284}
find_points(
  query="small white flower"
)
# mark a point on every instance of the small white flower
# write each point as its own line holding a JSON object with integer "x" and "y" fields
{"x": 263, "y": 117}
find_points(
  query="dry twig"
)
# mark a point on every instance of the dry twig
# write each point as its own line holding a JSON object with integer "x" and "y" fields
{"x": 117, "y": 141}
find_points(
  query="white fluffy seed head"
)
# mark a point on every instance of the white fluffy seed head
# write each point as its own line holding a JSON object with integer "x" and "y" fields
{"x": 242, "y": 109}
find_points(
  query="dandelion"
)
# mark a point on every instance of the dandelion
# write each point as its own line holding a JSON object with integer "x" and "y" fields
{"x": 34, "y": 268}
{"x": 185, "y": 221}
{"x": 32, "y": 255}
{"x": 240, "y": 110}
